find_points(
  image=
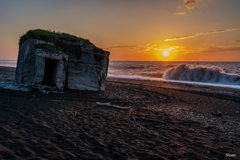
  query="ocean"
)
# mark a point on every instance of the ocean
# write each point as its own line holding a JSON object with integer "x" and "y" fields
{"x": 225, "y": 74}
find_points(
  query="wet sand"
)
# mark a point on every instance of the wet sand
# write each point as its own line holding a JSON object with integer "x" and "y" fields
{"x": 72, "y": 126}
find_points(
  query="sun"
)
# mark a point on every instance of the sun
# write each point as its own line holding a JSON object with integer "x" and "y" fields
{"x": 165, "y": 53}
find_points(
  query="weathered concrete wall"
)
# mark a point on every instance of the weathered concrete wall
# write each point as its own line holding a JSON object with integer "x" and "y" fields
{"x": 89, "y": 72}
{"x": 39, "y": 70}
{"x": 59, "y": 75}
{"x": 26, "y": 62}
{"x": 83, "y": 76}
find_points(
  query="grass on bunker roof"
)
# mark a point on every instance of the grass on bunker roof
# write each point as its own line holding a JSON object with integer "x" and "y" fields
{"x": 52, "y": 36}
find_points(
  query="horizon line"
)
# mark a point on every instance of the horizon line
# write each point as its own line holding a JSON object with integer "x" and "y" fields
{"x": 141, "y": 61}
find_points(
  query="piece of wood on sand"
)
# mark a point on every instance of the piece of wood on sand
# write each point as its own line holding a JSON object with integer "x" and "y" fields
{"x": 109, "y": 105}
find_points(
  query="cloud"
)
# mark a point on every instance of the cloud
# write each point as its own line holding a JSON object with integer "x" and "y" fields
{"x": 236, "y": 41}
{"x": 138, "y": 48}
{"x": 189, "y": 3}
{"x": 221, "y": 49}
{"x": 210, "y": 50}
{"x": 147, "y": 48}
{"x": 120, "y": 47}
{"x": 207, "y": 50}
{"x": 202, "y": 33}
{"x": 180, "y": 13}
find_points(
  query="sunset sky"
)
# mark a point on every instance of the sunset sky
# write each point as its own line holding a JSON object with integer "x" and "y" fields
{"x": 132, "y": 30}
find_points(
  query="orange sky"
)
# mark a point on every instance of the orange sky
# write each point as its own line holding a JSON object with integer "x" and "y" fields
{"x": 137, "y": 30}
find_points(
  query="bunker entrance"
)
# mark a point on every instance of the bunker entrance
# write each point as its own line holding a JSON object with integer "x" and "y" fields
{"x": 50, "y": 72}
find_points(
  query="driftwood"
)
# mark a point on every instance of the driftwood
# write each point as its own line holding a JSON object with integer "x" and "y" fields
{"x": 148, "y": 119}
{"x": 109, "y": 105}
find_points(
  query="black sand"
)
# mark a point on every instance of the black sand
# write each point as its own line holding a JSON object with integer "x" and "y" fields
{"x": 70, "y": 125}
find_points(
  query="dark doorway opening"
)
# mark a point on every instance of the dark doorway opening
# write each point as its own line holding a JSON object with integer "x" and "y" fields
{"x": 50, "y": 72}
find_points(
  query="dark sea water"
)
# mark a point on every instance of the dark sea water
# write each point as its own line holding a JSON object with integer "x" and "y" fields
{"x": 208, "y": 73}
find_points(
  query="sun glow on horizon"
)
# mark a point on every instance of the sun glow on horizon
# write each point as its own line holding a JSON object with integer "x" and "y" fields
{"x": 165, "y": 54}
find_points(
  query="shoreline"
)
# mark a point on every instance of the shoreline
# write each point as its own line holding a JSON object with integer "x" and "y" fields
{"x": 5, "y": 69}
{"x": 70, "y": 125}
{"x": 178, "y": 81}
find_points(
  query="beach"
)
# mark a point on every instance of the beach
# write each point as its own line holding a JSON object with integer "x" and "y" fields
{"x": 165, "y": 121}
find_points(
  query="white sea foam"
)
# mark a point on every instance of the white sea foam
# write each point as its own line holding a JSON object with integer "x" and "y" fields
{"x": 8, "y": 63}
{"x": 214, "y": 74}
{"x": 175, "y": 81}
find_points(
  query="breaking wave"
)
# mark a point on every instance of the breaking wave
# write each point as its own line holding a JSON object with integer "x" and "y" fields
{"x": 214, "y": 74}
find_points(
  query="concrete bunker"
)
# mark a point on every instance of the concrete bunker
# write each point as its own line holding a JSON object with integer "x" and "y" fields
{"x": 59, "y": 65}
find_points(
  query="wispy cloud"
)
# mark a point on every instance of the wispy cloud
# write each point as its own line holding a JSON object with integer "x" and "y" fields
{"x": 138, "y": 48}
{"x": 206, "y": 50}
{"x": 180, "y": 13}
{"x": 189, "y": 3}
{"x": 200, "y": 34}
{"x": 221, "y": 49}
{"x": 120, "y": 47}
{"x": 147, "y": 48}
{"x": 236, "y": 41}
